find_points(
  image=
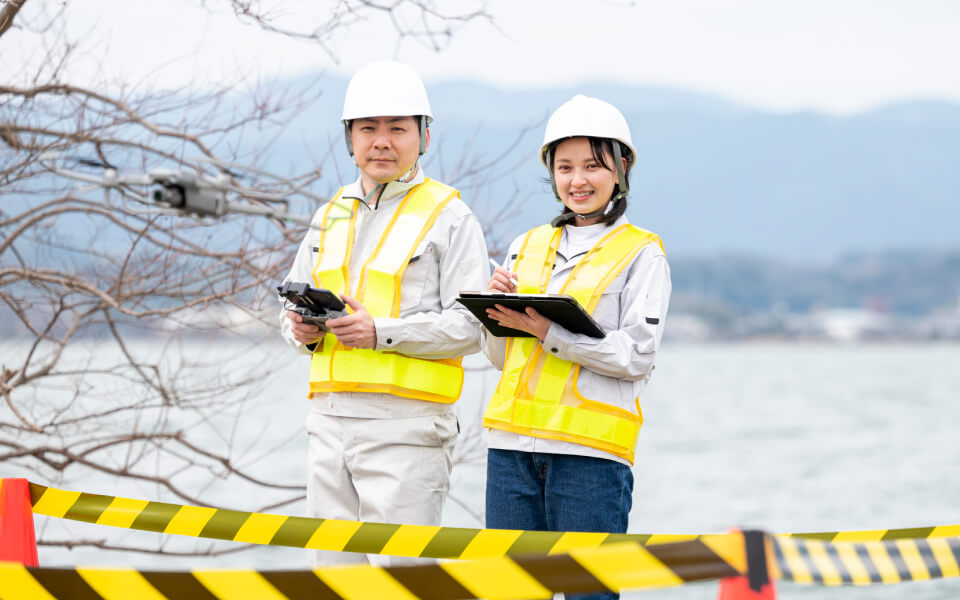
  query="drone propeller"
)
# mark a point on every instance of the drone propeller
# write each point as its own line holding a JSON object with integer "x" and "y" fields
{"x": 89, "y": 162}
{"x": 183, "y": 191}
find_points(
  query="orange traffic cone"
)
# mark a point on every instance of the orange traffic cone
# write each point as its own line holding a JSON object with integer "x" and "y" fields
{"x": 756, "y": 584}
{"x": 18, "y": 542}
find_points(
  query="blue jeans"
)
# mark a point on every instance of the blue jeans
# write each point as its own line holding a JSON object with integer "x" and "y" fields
{"x": 558, "y": 492}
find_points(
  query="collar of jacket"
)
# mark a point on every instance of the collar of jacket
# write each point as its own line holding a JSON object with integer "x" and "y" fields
{"x": 573, "y": 261}
{"x": 395, "y": 190}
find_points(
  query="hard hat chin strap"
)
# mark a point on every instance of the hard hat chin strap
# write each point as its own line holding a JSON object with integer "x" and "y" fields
{"x": 409, "y": 174}
{"x": 548, "y": 156}
{"x": 621, "y": 176}
{"x": 346, "y": 137}
{"x": 567, "y": 217}
{"x": 423, "y": 135}
{"x": 406, "y": 177}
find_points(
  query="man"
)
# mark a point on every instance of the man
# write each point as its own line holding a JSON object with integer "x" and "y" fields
{"x": 397, "y": 247}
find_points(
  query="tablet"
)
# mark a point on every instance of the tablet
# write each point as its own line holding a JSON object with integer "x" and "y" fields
{"x": 559, "y": 308}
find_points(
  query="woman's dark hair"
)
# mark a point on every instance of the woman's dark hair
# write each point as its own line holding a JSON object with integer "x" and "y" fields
{"x": 600, "y": 148}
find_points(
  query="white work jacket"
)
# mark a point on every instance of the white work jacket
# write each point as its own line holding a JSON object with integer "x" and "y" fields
{"x": 616, "y": 368}
{"x": 431, "y": 324}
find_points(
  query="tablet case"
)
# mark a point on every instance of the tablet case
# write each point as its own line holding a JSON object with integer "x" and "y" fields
{"x": 559, "y": 308}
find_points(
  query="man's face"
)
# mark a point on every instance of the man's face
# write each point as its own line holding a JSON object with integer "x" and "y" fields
{"x": 386, "y": 147}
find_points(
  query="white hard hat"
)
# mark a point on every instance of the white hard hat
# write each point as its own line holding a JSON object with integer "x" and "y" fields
{"x": 385, "y": 89}
{"x": 582, "y": 116}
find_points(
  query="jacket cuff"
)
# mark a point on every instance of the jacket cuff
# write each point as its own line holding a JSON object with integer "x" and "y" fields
{"x": 388, "y": 332}
{"x": 557, "y": 341}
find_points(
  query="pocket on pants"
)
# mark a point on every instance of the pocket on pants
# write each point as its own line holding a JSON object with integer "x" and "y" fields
{"x": 436, "y": 455}
{"x": 443, "y": 430}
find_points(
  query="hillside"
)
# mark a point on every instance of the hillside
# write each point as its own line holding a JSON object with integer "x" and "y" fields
{"x": 712, "y": 176}
{"x": 760, "y": 213}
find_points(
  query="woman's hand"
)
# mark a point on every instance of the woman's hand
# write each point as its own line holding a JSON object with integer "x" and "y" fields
{"x": 530, "y": 321}
{"x": 500, "y": 282}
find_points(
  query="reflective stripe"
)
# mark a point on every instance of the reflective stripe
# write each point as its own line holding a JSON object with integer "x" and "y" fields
{"x": 537, "y": 394}
{"x": 361, "y": 370}
{"x": 553, "y": 377}
{"x": 336, "y": 245}
{"x": 535, "y": 259}
{"x": 382, "y": 272}
{"x": 573, "y": 423}
{"x": 335, "y": 367}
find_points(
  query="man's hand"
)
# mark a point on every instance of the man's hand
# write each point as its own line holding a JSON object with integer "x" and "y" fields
{"x": 355, "y": 330}
{"x": 530, "y": 321}
{"x": 305, "y": 333}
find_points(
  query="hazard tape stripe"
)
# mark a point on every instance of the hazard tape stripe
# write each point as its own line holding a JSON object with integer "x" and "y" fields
{"x": 803, "y": 560}
{"x": 385, "y": 538}
{"x": 321, "y": 534}
{"x": 393, "y": 539}
{"x": 18, "y": 583}
{"x": 877, "y": 535}
{"x": 607, "y": 568}
{"x": 178, "y": 585}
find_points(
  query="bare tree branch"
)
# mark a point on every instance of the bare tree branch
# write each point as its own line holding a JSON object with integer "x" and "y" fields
{"x": 430, "y": 22}
{"x": 137, "y": 335}
{"x": 8, "y": 13}
{"x": 205, "y": 549}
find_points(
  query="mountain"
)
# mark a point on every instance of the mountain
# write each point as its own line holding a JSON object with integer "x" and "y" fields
{"x": 759, "y": 212}
{"x": 712, "y": 176}
{"x": 907, "y": 283}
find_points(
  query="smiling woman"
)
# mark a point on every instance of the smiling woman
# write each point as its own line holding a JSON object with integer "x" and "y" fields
{"x": 565, "y": 416}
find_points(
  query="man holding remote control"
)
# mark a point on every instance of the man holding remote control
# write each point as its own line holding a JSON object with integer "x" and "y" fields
{"x": 397, "y": 247}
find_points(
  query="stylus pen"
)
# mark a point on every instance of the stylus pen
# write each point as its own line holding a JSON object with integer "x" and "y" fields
{"x": 512, "y": 279}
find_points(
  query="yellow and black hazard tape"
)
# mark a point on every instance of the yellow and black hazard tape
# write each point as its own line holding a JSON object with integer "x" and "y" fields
{"x": 611, "y": 568}
{"x": 372, "y": 538}
{"x": 831, "y": 563}
{"x": 553, "y": 561}
{"x": 320, "y": 534}
{"x": 879, "y": 535}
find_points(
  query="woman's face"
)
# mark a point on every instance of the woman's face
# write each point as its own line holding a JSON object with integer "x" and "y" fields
{"x": 584, "y": 185}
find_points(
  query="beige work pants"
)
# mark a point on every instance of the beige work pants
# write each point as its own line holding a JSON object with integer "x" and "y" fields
{"x": 378, "y": 470}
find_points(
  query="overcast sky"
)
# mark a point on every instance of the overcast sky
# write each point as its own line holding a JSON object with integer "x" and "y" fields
{"x": 837, "y": 56}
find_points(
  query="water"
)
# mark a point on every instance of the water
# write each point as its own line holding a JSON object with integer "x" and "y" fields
{"x": 793, "y": 438}
{"x": 787, "y": 438}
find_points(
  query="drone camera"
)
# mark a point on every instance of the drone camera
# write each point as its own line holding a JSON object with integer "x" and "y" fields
{"x": 186, "y": 195}
{"x": 171, "y": 195}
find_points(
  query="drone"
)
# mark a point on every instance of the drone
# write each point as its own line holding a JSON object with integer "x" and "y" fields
{"x": 186, "y": 191}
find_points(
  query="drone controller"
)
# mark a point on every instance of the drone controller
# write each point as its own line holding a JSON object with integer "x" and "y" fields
{"x": 315, "y": 306}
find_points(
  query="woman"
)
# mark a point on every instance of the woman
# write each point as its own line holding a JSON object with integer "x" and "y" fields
{"x": 565, "y": 415}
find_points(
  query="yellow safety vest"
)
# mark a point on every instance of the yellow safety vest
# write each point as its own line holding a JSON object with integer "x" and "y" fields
{"x": 537, "y": 394}
{"x": 335, "y": 367}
